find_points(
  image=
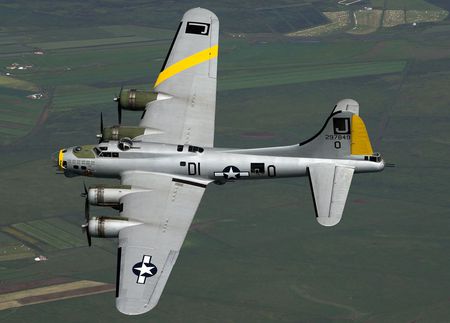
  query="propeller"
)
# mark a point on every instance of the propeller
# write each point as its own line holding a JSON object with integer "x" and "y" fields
{"x": 100, "y": 135}
{"x": 85, "y": 191}
{"x": 119, "y": 106}
{"x": 85, "y": 226}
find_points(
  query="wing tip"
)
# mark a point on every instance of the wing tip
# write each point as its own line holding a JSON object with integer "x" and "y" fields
{"x": 133, "y": 307}
{"x": 347, "y": 105}
{"x": 328, "y": 221}
{"x": 199, "y": 12}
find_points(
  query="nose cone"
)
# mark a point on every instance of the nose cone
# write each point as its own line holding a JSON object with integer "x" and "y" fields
{"x": 58, "y": 158}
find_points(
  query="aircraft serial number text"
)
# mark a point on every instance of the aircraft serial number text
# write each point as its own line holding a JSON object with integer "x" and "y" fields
{"x": 337, "y": 137}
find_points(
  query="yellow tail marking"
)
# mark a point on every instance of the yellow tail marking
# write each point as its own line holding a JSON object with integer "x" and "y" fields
{"x": 359, "y": 138}
{"x": 188, "y": 62}
{"x": 60, "y": 158}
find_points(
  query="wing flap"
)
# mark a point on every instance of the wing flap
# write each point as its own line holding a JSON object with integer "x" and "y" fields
{"x": 330, "y": 185}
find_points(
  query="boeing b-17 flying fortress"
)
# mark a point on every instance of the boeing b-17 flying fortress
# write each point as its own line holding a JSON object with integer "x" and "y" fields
{"x": 166, "y": 163}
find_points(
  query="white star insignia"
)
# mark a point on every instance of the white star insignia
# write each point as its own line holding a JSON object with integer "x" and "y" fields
{"x": 145, "y": 270}
{"x": 231, "y": 173}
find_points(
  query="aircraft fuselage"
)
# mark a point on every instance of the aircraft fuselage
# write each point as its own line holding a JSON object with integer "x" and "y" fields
{"x": 212, "y": 164}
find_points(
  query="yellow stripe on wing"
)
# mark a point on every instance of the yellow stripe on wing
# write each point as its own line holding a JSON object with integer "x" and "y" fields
{"x": 187, "y": 62}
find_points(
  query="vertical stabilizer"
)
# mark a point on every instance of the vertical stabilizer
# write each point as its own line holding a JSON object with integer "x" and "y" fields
{"x": 342, "y": 136}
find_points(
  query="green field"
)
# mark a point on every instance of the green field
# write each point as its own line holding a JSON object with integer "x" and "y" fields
{"x": 55, "y": 233}
{"x": 255, "y": 252}
{"x": 293, "y": 75}
{"x": 10, "y": 82}
{"x": 90, "y": 42}
{"x": 11, "y": 249}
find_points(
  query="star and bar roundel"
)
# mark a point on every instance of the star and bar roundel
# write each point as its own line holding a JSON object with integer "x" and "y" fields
{"x": 144, "y": 269}
{"x": 231, "y": 172}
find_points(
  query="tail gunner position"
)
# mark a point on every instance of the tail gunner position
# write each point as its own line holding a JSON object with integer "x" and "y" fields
{"x": 166, "y": 163}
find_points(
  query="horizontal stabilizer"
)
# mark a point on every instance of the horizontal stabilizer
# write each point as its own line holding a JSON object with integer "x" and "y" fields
{"x": 330, "y": 184}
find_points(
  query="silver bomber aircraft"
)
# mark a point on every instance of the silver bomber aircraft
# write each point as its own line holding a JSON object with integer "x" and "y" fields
{"x": 166, "y": 163}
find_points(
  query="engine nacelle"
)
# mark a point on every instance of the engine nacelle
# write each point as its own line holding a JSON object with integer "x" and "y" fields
{"x": 135, "y": 100}
{"x": 108, "y": 227}
{"x": 107, "y": 196}
{"x": 119, "y": 132}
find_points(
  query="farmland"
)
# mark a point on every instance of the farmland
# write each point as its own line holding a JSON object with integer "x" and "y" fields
{"x": 263, "y": 257}
{"x": 51, "y": 293}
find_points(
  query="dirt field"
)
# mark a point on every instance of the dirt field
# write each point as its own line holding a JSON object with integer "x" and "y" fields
{"x": 339, "y": 20}
{"x": 52, "y": 293}
{"x": 366, "y": 21}
{"x": 393, "y": 18}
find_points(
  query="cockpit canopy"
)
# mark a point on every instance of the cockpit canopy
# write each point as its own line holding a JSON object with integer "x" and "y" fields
{"x": 102, "y": 152}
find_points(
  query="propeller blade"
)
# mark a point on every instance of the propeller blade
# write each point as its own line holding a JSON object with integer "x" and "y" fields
{"x": 85, "y": 226}
{"x": 86, "y": 209}
{"x": 88, "y": 235}
{"x": 101, "y": 128}
{"x": 119, "y": 112}
{"x": 119, "y": 106}
{"x": 85, "y": 192}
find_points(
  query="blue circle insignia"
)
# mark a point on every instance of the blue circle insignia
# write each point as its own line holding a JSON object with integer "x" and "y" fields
{"x": 144, "y": 269}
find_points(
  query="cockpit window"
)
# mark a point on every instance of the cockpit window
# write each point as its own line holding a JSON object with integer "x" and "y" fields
{"x": 97, "y": 151}
{"x": 194, "y": 149}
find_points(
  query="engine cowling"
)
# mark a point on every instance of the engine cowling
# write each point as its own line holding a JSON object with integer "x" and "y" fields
{"x": 108, "y": 227}
{"x": 135, "y": 100}
{"x": 101, "y": 195}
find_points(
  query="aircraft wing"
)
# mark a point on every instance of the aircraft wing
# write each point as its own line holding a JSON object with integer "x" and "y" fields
{"x": 329, "y": 185}
{"x": 147, "y": 252}
{"x": 185, "y": 110}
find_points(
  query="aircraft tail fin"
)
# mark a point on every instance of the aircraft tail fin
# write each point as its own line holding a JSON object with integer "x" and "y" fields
{"x": 344, "y": 134}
